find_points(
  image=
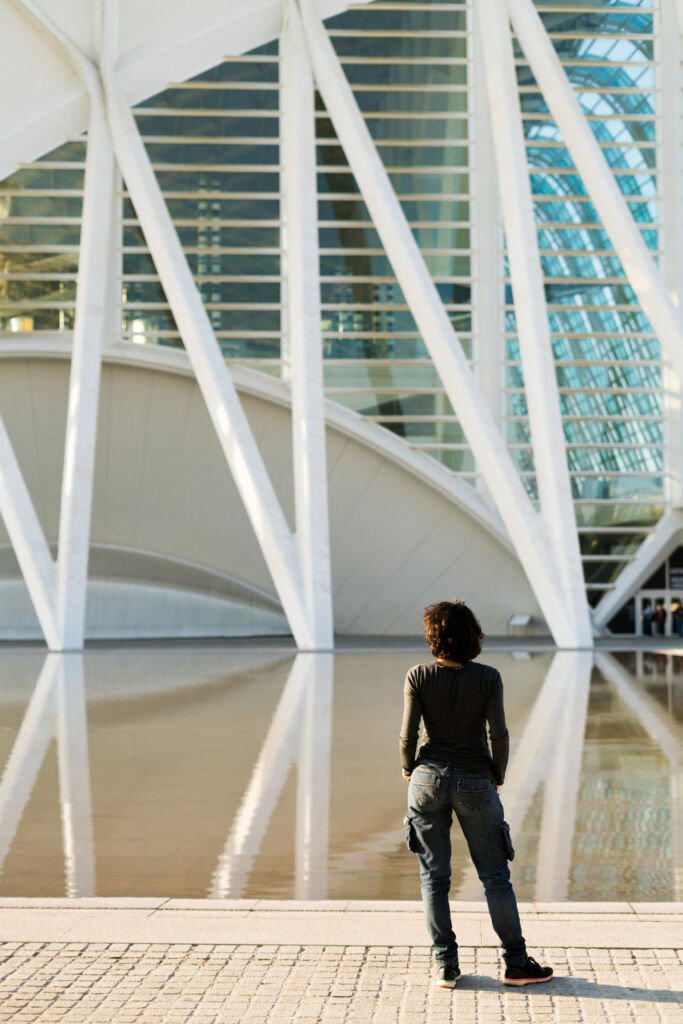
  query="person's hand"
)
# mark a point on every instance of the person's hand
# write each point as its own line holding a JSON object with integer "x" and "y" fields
{"x": 406, "y": 775}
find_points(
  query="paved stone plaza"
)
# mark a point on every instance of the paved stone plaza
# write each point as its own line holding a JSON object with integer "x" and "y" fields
{"x": 254, "y": 984}
{"x": 109, "y": 961}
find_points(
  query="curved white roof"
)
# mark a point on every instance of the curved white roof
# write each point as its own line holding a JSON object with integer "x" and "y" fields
{"x": 403, "y": 530}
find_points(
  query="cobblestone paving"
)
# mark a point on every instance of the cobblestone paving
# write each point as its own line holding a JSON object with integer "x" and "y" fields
{"x": 127, "y": 983}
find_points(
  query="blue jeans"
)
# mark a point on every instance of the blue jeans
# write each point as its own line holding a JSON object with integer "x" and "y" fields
{"x": 436, "y": 790}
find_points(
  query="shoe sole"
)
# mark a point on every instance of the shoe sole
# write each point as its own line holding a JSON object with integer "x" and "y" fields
{"x": 448, "y": 984}
{"x": 527, "y": 981}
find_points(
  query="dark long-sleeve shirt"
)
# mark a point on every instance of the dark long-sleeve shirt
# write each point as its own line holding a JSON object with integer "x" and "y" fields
{"x": 455, "y": 704}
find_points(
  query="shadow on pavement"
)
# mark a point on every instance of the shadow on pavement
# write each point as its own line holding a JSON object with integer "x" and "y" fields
{"x": 573, "y": 987}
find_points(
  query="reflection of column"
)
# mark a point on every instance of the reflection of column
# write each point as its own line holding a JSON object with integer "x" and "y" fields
{"x": 533, "y": 759}
{"x": 28, "y": 752}
{"x": 267, "y": 780}
{"x": 74, "y": 778}
{"x": 561, "y": 792}
{"x": 668, "y": 735}
{"x": 59, "y": 694}
{"x": 313, "y": 793}
{"x": 301, "y": 730}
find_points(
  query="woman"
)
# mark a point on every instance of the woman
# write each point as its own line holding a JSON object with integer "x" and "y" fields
{"x": 454, "y": 770}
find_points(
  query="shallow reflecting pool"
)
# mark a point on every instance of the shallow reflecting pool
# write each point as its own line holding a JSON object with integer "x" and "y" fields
{"x": 239, "y": 772}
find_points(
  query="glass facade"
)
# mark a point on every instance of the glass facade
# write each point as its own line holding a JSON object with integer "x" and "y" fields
{"x": 214, "y": 144}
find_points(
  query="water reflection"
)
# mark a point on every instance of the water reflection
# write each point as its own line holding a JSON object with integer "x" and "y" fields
{"x": 231, "y": 773}
{"x": 57, "y": 707}
{"x": 300, "y": 733}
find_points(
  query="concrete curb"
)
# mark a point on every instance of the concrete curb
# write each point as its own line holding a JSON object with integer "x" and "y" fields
{"x": 329, "y": 922}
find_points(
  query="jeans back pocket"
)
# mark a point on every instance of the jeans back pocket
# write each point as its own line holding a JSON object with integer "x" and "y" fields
{"x": 423, "y": 790}
{"x": 474, "y": 792}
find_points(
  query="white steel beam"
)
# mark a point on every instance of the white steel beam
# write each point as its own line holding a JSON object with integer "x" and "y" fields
{"x": 488, "y": 287}
{"x": 74, "y": 778}
{"x": 651, "y": 553}
{"x": 578, "y": 137}
{"x": 302, "y": 338}
{"x": 213, "y": 377}
{"x": 92, "y": 296}
{"x": 533, "y": 329}
{"x": 28, "y": 541}
{"x": 669, "y": 128}
{"x": 84, "y": 384}
{"x": 525, "y": 527}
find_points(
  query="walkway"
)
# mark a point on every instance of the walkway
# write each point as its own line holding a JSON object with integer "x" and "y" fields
{"x": 254, "y": 961}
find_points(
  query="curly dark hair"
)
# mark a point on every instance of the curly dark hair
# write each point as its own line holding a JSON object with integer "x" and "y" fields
{"x": 452, "y": 631}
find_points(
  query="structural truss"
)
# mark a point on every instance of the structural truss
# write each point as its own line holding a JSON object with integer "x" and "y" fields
{"x": 543, "y": 532}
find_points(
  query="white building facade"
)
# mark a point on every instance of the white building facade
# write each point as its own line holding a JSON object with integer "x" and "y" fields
{"x": 311, "y": 314}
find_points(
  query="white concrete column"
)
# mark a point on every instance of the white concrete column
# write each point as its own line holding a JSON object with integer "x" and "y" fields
{"x": 302, "y": 338}
{"x": 668, "y": 55}
{"x": 488, "y": 285}
{"x": 313, "y": 782}
{"x": 90, "y": 333}
{"x": 28, "y": 753}
{"x": 213, "y": 376}
{"x": 74, "y": 778}
{"x": 525, "y": 528}
{"x": 28, "y": 541}
{"x": 533, "y": 329}
{"x": 639, "y": 267}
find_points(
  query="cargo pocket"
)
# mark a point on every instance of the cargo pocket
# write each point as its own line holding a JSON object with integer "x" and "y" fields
{"x": 411, "y": 837}
{"x": 507, "y": 841}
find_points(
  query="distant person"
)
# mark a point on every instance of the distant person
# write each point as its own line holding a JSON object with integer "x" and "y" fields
{"x": 677, "y": 616}
{"x": 648, "y": 615}
{"x": 659, "y": 618}
{"x": 454, "y": 770}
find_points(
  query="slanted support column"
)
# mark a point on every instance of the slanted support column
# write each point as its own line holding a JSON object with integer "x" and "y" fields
{"x": 213, "y": 377}
{"x": 68, "y": 579}
{"x": 28, "y": 541}
{"x": 488, "y": 288}
{"x": 301, "y": 336}
{"x": 93, "y": 293}
{"x": 612, "y": 209}
{"x": 524, "y": 526}
{"x": 533, "y": 330}
{"x": 668, "y": 53}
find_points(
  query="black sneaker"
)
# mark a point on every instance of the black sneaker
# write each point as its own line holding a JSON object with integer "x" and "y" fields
{"x": 447, "y": 977}
{"x": 529, "y": 973}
